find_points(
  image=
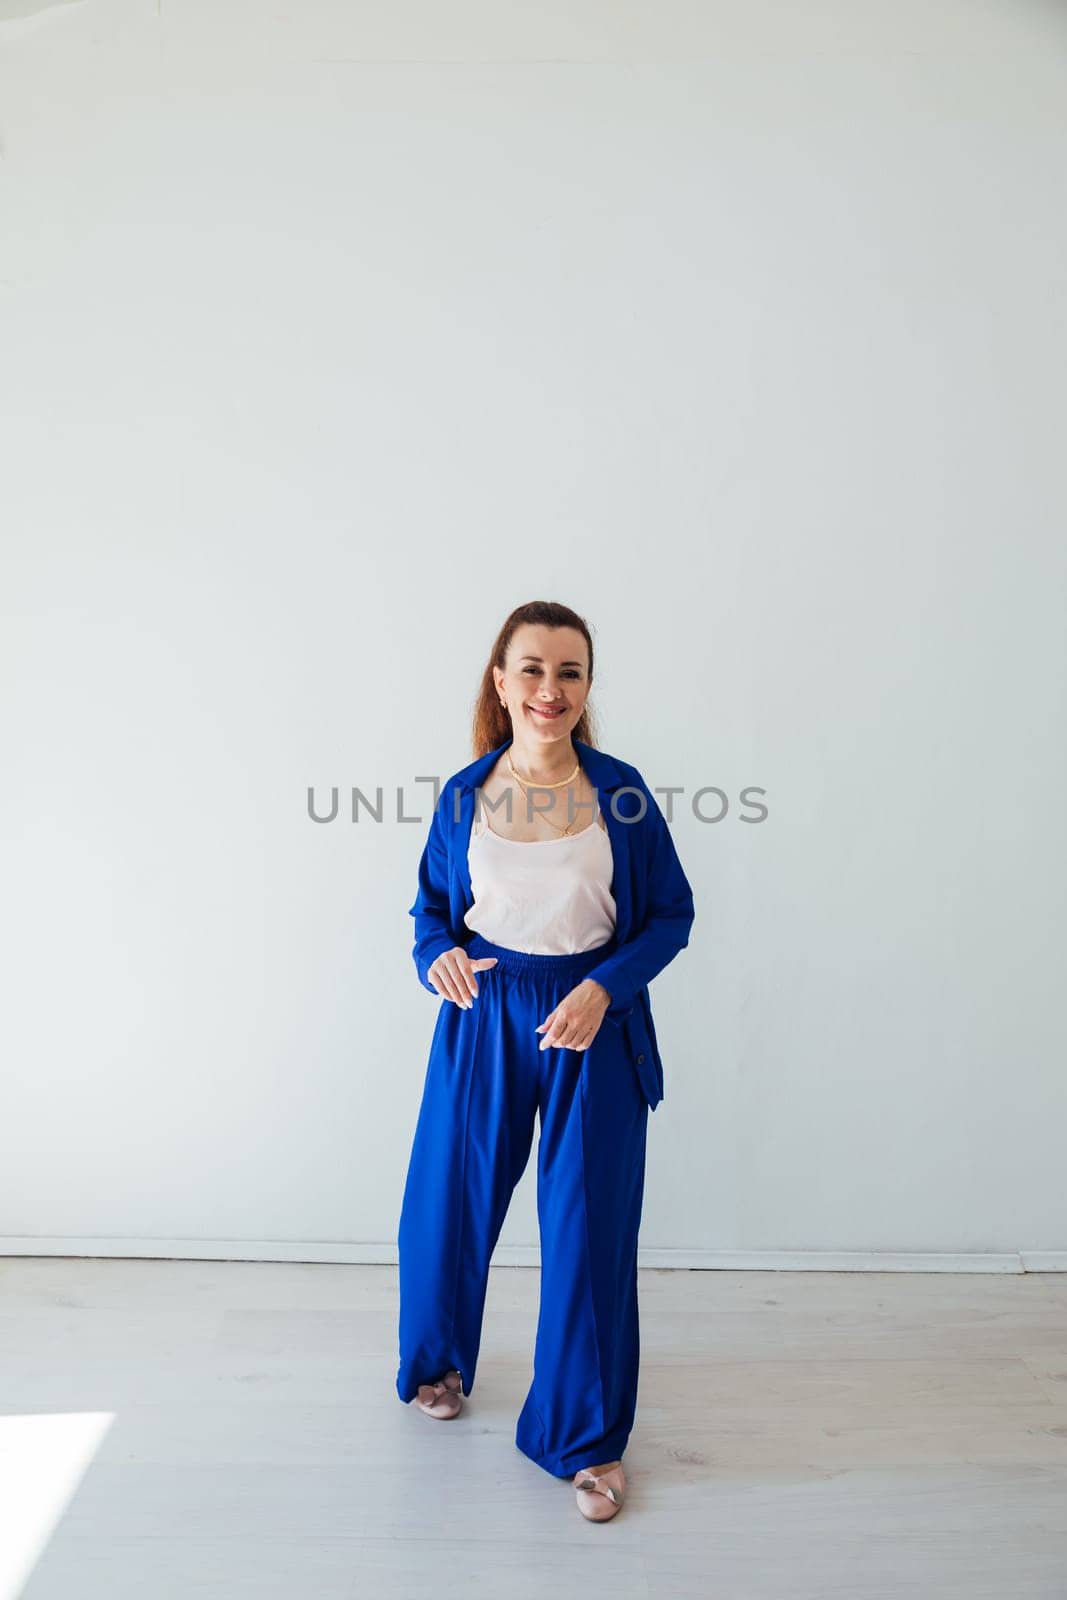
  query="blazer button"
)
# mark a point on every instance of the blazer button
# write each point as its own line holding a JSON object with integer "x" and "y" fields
{"x": 641, "y": 1058}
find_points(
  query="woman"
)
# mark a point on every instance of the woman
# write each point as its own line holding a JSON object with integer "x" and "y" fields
{"x": 550, "y": 894}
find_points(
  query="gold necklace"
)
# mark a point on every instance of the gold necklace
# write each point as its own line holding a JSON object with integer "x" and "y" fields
{"x": 533, "y": 785}
{"x": 523, "y": 785}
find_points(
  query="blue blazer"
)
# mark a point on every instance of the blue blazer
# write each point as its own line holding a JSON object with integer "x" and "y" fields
{"x": 653, "y": 899}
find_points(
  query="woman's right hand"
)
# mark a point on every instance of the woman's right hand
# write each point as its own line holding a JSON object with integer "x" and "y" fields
{"x": 452, "y": 975}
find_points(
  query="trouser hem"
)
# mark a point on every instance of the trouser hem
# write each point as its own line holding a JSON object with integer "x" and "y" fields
{"x": 407, "y": 1386}
{"x": 572, "y": 1461}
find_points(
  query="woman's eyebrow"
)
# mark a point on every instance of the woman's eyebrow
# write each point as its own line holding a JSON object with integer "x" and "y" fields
{"x": 562, "y": 663}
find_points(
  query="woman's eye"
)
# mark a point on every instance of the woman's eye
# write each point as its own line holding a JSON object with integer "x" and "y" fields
{"x": 566, "y": 674}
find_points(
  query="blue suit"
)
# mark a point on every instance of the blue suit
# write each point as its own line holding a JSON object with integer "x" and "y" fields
{"x": 487, "y": 1081}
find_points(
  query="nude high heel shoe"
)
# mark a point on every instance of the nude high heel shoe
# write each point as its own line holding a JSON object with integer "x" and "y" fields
{"x": 443, "y": 1399}
{"x": 600, "y": 1495}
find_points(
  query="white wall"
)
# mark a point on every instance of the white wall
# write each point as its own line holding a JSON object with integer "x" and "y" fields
{"x": 328, "y": 337}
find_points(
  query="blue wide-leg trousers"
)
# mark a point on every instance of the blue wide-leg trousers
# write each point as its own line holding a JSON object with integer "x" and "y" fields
{"x": 486, "y": 1082}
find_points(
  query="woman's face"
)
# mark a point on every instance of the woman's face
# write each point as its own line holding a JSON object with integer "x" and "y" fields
{"x": 545, "y": 681}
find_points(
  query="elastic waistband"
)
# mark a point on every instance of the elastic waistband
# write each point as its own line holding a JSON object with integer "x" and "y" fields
{"x": 530, "y": 961}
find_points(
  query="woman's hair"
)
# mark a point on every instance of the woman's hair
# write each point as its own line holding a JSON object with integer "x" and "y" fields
{"x": 492, "y": 724}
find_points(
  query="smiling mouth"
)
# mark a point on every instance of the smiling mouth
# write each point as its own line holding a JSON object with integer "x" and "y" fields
{"x": 548, "y": 715}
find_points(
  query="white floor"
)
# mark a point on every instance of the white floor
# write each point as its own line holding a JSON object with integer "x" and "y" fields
{"x": 217, "y": 1429}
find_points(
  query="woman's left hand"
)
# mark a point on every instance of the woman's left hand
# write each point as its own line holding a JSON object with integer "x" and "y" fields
{"x": 574, "y": 1023}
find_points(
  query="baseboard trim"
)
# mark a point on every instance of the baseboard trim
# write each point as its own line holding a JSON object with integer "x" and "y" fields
{"x": 345, "y": 1253}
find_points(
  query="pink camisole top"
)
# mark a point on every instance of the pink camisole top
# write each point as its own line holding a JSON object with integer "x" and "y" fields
{"x": 544, "y": 896}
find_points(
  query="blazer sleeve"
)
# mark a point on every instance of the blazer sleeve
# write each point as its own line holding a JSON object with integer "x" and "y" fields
{"x": 670, "y": 913}
{"x": 433, "y": 922}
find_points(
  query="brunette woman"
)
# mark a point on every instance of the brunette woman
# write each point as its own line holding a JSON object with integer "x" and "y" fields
{"x": 550, "y": 894}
